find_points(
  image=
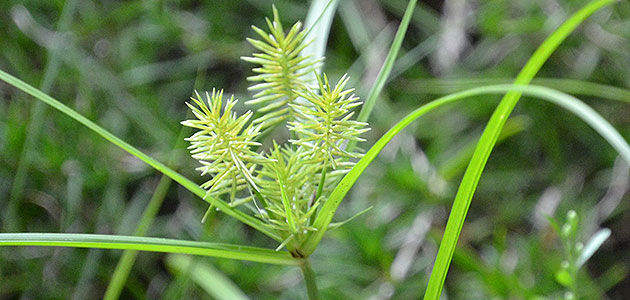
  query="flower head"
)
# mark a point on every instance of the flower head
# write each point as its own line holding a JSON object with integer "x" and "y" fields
{"x": 282, "y": 70}
{"x": 289, "y": 184}
{"x": 223, "y": 144}
{"x": 324, "y": 124}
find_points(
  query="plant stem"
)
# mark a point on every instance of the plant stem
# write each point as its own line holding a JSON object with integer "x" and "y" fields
{"x": 309, "y": 280}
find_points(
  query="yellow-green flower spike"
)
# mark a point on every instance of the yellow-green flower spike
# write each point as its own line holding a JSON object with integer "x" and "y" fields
{"x": 222, "y": 144}
{"x": 282, "y": 71}
{"x": 324, "y": 124}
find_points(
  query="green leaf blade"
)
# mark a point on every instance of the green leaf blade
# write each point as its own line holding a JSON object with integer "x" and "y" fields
{"x": 102, "y": 241}
{"x": 386, "y": 69}
{"x": 185, "y": 182}
{"x": 564, "y": 100}
{"x": 486, "y": 143}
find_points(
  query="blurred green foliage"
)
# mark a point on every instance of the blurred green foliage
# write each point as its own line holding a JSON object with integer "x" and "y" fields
{"x": 131, "y": 65}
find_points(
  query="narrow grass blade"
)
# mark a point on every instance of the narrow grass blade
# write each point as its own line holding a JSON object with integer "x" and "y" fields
{"x": 207, "y": 277}
{"x": 486, "y": 144}
{"x": 569, "y": 102}
{"x": 571, "y": 86}
{"x": 185, "y": 182}
{"x": 104, "y": 241}
{"x": 386, "y": 69}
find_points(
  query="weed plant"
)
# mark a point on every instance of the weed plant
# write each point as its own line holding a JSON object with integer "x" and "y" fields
{"x": 290, "y": 188}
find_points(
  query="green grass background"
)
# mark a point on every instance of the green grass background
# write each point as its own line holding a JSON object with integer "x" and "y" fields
{"x": 130, "y": 65}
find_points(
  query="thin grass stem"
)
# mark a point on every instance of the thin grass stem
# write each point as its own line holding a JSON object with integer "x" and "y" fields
{"x": 309, "y": 280}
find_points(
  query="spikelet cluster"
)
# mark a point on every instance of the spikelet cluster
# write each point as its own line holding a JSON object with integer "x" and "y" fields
{"x": 223, "y": 144}
{"x": 324, "y": 124}
{"x": 286, "y": 184}
{"x": 282, "y": 71}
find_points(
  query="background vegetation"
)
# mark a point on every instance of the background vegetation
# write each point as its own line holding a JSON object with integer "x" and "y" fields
{"x": 130, "y": 65}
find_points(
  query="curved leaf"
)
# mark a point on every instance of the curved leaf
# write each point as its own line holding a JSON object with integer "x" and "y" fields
{"x": 104, "y": 241}
{"x": 185, "y": 182}
{"x": 486, "y": 143}
{"x": 441, "y": 86}
{"x": 566, "y": 101}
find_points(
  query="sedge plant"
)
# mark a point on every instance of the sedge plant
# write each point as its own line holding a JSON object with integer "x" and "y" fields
{"x": 289, "y": 190}
{"x": 284, "y": 185}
